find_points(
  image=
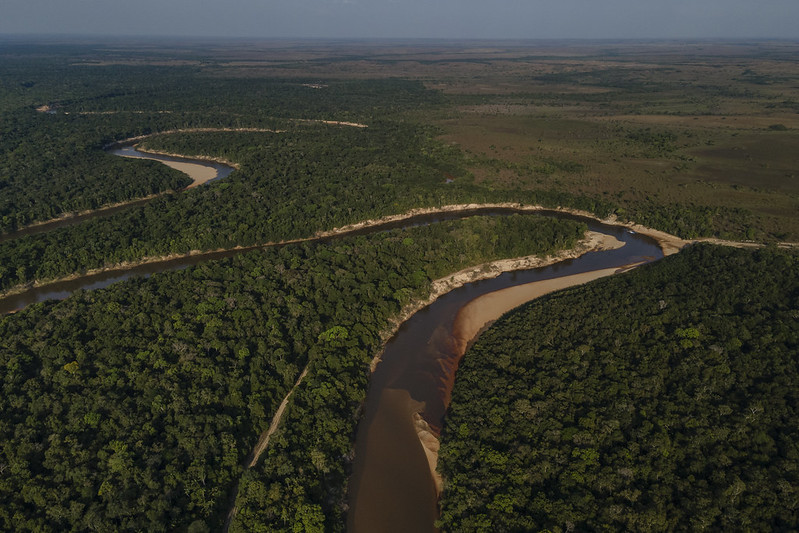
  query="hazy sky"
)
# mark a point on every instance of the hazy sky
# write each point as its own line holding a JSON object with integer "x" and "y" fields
{"x": 533, "y": 19}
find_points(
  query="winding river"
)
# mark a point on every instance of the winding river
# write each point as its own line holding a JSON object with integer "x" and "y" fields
{"x": 200, "y": 171}
{"x": 392, "y": 488}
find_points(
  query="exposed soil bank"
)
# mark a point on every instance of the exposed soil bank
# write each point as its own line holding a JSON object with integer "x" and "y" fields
{"x": 132, "y": 140}
{"x": 199, "y": 174}
{"x": 669, "y": 243}
{"x": 330, "y": 122}
{"x": 478, "y": 314}
{"x": 408, "y": 388}
{"x": 200, "y": 169}
{"x": 592, "y": 242}
{"x": 399, "y": 426}
{"x": 68, "y": 219}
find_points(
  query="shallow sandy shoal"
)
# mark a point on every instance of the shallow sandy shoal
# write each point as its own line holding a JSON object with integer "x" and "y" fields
{"x": 199, "y": 173}
{"x": 485, "y": 309}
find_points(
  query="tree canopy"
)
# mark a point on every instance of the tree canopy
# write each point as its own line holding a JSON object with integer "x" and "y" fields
{"x": 661, "y": 399}
{"x": 134, "y": 407}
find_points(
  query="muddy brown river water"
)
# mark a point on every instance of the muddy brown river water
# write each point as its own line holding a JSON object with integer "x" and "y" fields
{"x": 392, "y": 489}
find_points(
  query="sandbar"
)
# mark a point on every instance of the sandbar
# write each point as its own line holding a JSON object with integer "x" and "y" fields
{"x": 480, "y": 313}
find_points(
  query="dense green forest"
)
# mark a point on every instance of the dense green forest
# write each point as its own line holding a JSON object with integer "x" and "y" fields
{"x": 659, "y": 400}
{"x": 134, "y": 407}
{"x": 54, "y": 165}
{"x": 52, "y": 162}
{"x": 290, "y": 185}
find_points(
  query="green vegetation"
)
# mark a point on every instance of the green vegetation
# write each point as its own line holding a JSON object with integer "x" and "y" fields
{"x": 658, "y": 400}
{"x": 671, "y": 135}
{"x": 661, "y": 399}
{"x": 52, "y": 163}
{"x": 134, "y": 407}
{"x": 290, "y": 185}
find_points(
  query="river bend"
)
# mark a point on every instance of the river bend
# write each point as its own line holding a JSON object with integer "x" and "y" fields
{"x": 392, "y": 488}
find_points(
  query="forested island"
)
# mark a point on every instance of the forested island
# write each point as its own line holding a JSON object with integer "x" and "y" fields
{"x": 659, "y": 399}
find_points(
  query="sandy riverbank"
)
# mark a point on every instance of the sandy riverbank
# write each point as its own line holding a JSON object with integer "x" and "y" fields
{"x": 669, "y": 243}
{"x": 79, "y": 214}
{"x": 200, "y": 174}
{"x": 483, "y": 311}
{"x": 330, "y": 122}
{"x": 130, "y": 140}
{"x": 438, "y": 285}
{"x": 478, "y": 315}
{"x": 210, "y": 159}
{"x": 592, "y": 242}
{"x": 340, "y": 231}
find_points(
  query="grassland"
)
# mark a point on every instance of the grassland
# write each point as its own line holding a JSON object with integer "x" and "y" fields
{"x": 713, "y": 131}
{"x": 695, "y": 138}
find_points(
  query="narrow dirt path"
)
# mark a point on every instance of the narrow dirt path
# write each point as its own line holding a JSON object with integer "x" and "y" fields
{"x": 263, "y": 440}
{"x": 260, "y": 447}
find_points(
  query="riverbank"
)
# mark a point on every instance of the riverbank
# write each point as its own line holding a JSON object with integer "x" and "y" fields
{"x": 666, "y": 241}
{"x": 210, "y": 159}
{"x": 397, "y": 445}
{"x": 592, "y": 242}
{"x": 478, "y": 315}
{"x": 475, "y": 316}
{"x": 199, "y": 174}
{"x": 137, "y": 138}
{"x": 75, "y": 216}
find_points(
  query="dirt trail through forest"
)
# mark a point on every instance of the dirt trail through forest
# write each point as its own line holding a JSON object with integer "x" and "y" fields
{"x": 260, "y": 447}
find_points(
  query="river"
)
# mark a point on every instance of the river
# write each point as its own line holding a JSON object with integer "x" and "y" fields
{"x": 392, "y": 488}
{"x": 200, "y": 171}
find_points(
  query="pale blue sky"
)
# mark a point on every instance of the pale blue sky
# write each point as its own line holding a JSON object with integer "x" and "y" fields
{"x": 449, "y": 19}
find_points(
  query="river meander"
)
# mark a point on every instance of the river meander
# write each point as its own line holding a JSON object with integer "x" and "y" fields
{"x": 392, "y": 488}
{"x": 200, "y": 171}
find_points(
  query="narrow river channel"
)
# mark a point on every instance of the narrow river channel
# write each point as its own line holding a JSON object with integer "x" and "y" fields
{"x": 200, "y": 171}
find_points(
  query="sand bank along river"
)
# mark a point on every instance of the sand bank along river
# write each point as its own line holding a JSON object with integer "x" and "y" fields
{"x": 200, "y": 171}
{"x": 392, "y": 488}
{"x": 21, "y": 297}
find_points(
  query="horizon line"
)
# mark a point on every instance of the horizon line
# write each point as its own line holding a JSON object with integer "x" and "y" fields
{"x": 211, "y": 38}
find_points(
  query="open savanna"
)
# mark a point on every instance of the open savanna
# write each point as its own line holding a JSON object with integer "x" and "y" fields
{"x": 714, "y": 134}
{"x": 698, "y": 138}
